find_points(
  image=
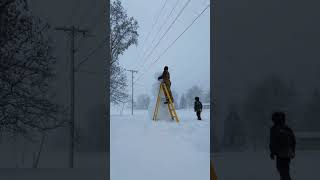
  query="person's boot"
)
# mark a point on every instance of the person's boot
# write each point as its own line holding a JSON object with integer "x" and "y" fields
{"x": 166, "y": 102}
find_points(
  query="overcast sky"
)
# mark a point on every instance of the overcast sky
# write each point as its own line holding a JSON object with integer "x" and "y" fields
{"x": 188, "y": 59}
{"x": 89, "y": 87}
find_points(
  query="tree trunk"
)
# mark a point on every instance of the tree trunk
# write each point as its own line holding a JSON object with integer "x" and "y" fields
{"x": 37, "y": 157}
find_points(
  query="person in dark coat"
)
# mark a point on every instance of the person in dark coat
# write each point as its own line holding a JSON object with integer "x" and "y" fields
{"x": 166, "y": 79}
{"x": 282, "y": 144}
{"x": 198, "y": 107}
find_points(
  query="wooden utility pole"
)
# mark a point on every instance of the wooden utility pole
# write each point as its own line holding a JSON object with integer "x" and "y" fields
{"x": 132, "y": 71}
{"x": 72, "y": 31}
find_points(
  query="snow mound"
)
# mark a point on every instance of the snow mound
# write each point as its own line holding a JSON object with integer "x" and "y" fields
{"x": 163, "y": 113}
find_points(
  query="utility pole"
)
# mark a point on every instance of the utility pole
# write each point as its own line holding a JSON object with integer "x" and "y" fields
{"x": 72, "y": 31}
{"x": 132, "y": 71}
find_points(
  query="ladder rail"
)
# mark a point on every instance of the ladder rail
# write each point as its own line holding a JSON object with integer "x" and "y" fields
{"x": 171, "y": 106}
{"x": 170, "y": 101}
{"x": 172, "y": 111}
{"x": 169, "y": 98}
{"x": 157, "y": 110}
{"x": 155, "y": 114}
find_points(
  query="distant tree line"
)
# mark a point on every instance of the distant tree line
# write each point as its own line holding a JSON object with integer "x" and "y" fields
{"x": 185, "y": 100}
{"x": 247, "y": 124}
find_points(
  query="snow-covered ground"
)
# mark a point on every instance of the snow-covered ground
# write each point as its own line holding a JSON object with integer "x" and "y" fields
{"x": 258, "y": 166}
{"x": 144, "y": 149}
{"x": 57, "y": 159}
{"x": 150, "y": 150}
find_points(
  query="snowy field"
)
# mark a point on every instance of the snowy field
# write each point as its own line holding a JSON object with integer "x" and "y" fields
{"x": 53, "y": 174}
{"x": 55, "y": 160}
{"x": 258, "y": 166}
{"x": 147, "y": 150}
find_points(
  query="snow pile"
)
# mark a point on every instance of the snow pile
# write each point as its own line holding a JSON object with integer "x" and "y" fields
{"x": 163, "y": 113}
{"x": 147, "y": 150}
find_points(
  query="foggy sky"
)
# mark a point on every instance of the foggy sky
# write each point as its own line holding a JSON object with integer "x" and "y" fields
{"x": 258, "y": 39}
{"x": 188, "y": 59}
{"x": 90, "y": 79}
{"x": 90, "y": 15}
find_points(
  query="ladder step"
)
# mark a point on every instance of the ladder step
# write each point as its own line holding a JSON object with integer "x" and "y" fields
{"x": 170, "y": 104}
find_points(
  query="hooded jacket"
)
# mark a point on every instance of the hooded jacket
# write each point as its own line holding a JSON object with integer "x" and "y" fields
{"x": 165, "y": 76}
{"x": 282, "y": 141}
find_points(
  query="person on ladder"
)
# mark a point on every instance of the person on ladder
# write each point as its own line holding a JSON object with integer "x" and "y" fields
{"x": 166, "y": 79}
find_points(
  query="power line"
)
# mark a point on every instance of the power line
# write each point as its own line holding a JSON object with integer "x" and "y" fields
{"x": 173, "y": 42}
{"x": 182, "y": 33}
{"x": 170, "y": 26}
{"x": 155, "y": 22}
{"x": 92, "y": 52}
{"x": 162, "y": 25}
{"x": 152, "y": 27}
{"x": 91, "y": 72}
{"x": 166, "y": 20}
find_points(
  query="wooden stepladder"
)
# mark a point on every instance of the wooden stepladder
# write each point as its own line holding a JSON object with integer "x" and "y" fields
{"x": 171, "y": 108}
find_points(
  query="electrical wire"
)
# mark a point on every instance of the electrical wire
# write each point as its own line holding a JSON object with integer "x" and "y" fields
{"x": 173, "y": 42}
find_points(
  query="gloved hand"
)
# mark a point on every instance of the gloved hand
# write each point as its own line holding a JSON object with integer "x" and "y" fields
{"x": 272, "y": 156}
{"x": 159, "y": 78}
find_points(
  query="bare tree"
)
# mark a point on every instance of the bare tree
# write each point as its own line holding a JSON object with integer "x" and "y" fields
{"x": 143, "y": 101}
{"x": 234, "y": 134}
{"x": 206, "y": 97}
{"x": 118, "y": 84}
{"x": 194, "y": 91}
{"x": 123, "y": 34}
{"x": 26, "y": 68}
{"x": 183, "y": 102}
{"x": 272, "y": 94}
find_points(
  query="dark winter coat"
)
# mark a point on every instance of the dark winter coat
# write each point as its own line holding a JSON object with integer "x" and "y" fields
{"x": 165, "y": 76}
{"x": 282, "y": 141}
{"x": 197, "y": 106}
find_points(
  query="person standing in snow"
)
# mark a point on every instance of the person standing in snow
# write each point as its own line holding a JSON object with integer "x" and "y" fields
{"x": 282, "y": 145}
{"x": 166, "y": 79}
{"x": 198, "y": 107}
